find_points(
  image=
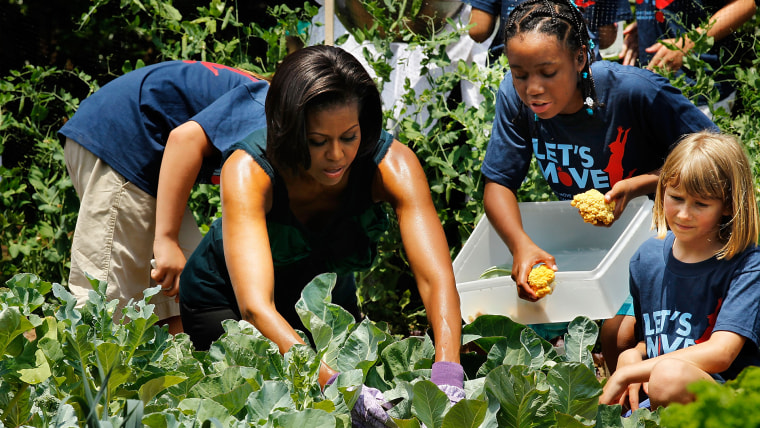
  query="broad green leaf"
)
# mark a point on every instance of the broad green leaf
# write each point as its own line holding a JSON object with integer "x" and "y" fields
{"x": 645, "y": 418}
{"x": 108, "y": 356}
{"x": 28, "y": 292}
{"x": 52, "y": 348}
{"x": 155, "y": 386}
{"x": 574, "y": 389}
{"x": 340, "y": 392}
{"x": 568, "y": 421}
{"x": 339, "y": 322}
{"x": 204, "y": 409}
{"x": 407, "y": 423}
{"x": 609, "y": 416}
{"x": 239, "y": 347}
{"x": 487, "y": 329}
{"x": 466, "y": 414}
{"x": 140, "y": 331}
{"x": 316, "y": 294}
{"x": 328, "y": 323}
{"x": 230, "y": 389}
{"x": 40, "y": 371}
{"x": 522, "y": 396}
{"x": 307, "y": 418}
{"x": 273, "y": 395}
{"x": 506, "y": 351}
{"x": 534, "y": 346}
{"x": 12, "y": 324}
{"x": 429, "y": 403}
{"x": 361, "y": 348}
{"x": 67, "y": 311}
{"x": 580, "y": 340}
{"x": 404, "y": 355}
{"x": 169, "y": 12}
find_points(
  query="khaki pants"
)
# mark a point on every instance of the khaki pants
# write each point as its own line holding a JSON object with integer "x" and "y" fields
{"x": 113, "y": 238}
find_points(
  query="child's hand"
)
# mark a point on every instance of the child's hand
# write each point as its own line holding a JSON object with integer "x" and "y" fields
{"x": 621, "y": 193}
{"x": 629, "y": 53}
{"x": 667, "y": 58}
{"x": 169, "y": 262}
{"x": 522, "y": 264}
{"x": 618, "y": 390}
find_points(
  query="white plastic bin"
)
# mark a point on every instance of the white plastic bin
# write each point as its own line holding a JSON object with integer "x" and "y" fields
{"x": 593, "y": 264}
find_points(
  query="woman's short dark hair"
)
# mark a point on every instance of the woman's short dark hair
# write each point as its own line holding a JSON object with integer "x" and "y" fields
{"x": 310, "y": 79}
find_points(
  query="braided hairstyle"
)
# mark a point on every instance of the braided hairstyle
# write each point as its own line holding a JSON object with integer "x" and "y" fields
{"x": 564, "y": 20}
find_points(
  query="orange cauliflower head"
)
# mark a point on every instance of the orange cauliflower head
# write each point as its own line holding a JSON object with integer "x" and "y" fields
{"x": 540, "y": 279}
{"x": 593, "y": 208}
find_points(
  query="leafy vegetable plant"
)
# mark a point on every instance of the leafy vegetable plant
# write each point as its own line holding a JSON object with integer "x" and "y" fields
{"x": 68, "y": 366}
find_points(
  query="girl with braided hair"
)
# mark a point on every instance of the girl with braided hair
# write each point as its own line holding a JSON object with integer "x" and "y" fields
{"x": 590, "y": 125}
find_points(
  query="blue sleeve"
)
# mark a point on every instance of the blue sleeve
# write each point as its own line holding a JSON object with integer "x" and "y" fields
{"x": 650, "y": 103}
{"x": 510, "y": 148}
{"x": 740, "y": 312}
{"x": 492, "y": 7}
{"x": 234, "y": 115}
{"x": 674, "y": 115}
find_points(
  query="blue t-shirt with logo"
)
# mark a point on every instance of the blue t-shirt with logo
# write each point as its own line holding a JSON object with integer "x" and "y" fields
{"x": 678, "y": 304}
{"x": 126, "y": 123}
{"x": 639, "y": 118}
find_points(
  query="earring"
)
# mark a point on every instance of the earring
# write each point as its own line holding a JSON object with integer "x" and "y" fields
{"x": 589, "y": 102}
{"x": 589, "y": 106}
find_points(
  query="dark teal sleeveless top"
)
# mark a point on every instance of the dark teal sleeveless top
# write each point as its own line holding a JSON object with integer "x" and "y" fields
{"x": 348, "y": 243}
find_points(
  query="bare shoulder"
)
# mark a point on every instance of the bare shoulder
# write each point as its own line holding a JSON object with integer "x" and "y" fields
{"x": 244, "y": 179}
{"x": 241, "y": 165}
{"x": 398, "y": 159}
{"x": 398, "y": 174}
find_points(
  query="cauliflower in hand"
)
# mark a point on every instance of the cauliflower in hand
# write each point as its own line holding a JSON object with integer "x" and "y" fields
{"x": 593, "y": 208}
{"x": 540, "y": 279}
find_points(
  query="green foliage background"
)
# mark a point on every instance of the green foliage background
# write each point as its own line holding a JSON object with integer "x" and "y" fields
{"x": 65, "y": 367}
{"x": 89, "y": 43}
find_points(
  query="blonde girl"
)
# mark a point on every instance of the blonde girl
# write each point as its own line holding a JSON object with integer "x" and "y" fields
{"x": 695, "y": 287}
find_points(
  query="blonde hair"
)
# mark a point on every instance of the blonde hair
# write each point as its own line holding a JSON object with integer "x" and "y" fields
{"x": 713, "y": 166}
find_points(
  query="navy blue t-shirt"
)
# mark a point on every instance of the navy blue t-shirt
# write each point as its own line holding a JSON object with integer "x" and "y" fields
{"x": 639, "y": 118}
{"x": 127, "y": 122}
{"x": 666, "y": 19}
{"x": 680, "y": 304}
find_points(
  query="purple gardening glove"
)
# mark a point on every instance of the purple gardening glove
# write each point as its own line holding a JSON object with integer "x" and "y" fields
{"x": 450, "y": 379}
{"x": 332, "y": 379}
{"x": 370, "y": 409}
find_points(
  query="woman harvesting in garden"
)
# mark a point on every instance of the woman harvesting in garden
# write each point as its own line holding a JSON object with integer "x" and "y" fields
{"x": 590, "y": 126}
{"x": 305, "y": 199}
{"x": 133, "y": 150}
{"x": 695, "y": 286}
